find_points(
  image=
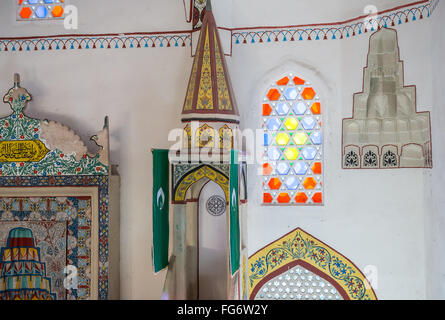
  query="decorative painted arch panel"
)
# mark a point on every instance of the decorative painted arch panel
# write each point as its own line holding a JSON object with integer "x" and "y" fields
{"x": 204, "y": 171}
{"x": 298, "y": 252}
{"x": 293, "y": 143}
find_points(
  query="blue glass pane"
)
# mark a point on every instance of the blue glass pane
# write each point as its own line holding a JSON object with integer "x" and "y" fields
{"x": 49, "y": 1}
{"x": 274, "y": 154}
{"x": 309, "y": 153}
{"x": 300, "y": 168}
{"x": 308, "y": 123}
{"x": 273, "y": 124}
{"x": 266, "y": 139}
{"x": 283, "y": 168}
{"x": 282, "y": 109}
{"x": 316, "y": 138}
{"x": 300, "y": 108}
{"x": 291, "y": 94}
{"x": 33, "y": 1}
{"x": 292, "y": 183}
{"x": 41, "y": 12}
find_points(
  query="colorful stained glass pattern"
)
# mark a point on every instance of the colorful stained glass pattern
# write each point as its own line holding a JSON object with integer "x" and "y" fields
{"x": 293, "y": 143}
{"x": 40, "y": 9}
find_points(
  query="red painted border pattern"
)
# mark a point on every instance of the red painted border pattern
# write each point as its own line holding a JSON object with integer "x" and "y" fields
{"x": 334, "y": 30}
{"x": 96, "y": 41}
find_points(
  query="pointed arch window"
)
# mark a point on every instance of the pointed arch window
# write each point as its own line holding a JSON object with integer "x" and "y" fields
{"x": 293, "y": 143}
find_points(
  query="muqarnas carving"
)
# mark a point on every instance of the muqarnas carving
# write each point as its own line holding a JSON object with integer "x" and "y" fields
{"x": 385, "y": 130}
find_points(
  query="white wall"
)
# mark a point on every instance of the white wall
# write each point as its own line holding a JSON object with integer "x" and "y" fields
{"x": 374, "y": 217}
{"x": 436, "y": 218}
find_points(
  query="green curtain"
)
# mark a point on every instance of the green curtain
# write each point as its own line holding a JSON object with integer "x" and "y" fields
{"x": 160, "y": 209}
{"x": 234, "y": 213}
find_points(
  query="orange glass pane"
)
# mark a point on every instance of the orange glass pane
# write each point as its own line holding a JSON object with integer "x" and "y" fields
{"x": 301, "y": 197}
{"x": 316, "y": 108}
{"x": 309, "y": 183}
{"x": 317, "y": 198}
{"x": 298, "y": 81}
{"x": 283, "y": 198}
{"x": 267, "y": 109}
{"x": 57, "y": 11}
{"x": 25, "y": 13}
{"x": 273, "y": 94}
{"x": 283, "y": 82}
{"x": 316, "y": 168}
{"x": 274, "y": 183}
{"x": 267, "y": 169}
{"x": 267, "y": 198}
{"x": 308, "y": 93}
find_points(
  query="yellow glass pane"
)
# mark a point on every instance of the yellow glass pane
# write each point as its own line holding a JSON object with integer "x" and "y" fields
{"x": 291, "y": 123}
{"x": 300, "y": 138}
{"x": 291, "y": 154}
{"x": 282, "y": 139}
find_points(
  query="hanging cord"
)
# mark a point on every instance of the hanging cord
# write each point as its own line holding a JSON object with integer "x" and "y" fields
{"x": 189, "y": 19}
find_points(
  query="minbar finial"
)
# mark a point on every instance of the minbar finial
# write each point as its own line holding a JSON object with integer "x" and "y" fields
{"x": 209, "y": 5}
{"x": 16, "y": 80}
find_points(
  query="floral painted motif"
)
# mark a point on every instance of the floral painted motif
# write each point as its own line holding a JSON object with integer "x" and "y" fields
{"x": 205, "y": 97}
{"x": 203, "y": 171}
{"x": 21, "y": 137}
{"x": 75, "y": 214}
{"x": 205, "y": 137}
{"x": 299, "y": 245}
{"x": 75, "y": 181}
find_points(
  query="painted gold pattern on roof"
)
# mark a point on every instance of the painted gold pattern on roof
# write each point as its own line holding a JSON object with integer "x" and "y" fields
{"x": 224, "y": 102}
{"x": 191, "y": 89}
{"x": 205, "y": 93}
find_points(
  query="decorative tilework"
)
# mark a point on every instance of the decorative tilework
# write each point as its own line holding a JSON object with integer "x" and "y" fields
{"x": 299, "y": 247}
{"x": 204, "y": 171}
{"x": 78, "y": 181}
{"x": 23, "y": 151}
{"x": 76, "y": 211}
{"x": 33, "y": 255}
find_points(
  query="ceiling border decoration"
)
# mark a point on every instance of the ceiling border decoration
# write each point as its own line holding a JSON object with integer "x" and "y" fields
{"x": 337, "y": 30}
{"x": 97, "y": 41}
{"x": 263, "y": 34}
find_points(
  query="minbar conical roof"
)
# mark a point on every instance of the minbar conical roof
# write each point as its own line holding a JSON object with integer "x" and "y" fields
{"x": 209, "y": 93}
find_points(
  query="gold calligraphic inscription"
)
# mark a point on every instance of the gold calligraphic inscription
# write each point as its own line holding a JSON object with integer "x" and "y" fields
{"x": 23, "y": 151}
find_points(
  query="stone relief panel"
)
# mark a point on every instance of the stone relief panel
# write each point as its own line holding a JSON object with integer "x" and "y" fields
{"x": 385, "y": 130}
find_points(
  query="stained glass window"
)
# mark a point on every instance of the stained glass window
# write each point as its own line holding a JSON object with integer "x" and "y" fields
{"x": 292, "y": 166}
{"x": 40, "y": 9}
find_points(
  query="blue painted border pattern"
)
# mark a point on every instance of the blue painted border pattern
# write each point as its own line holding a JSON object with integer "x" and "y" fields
{"x": 78, "y": 181}
{"x": 390, "y": 18}
{"x": 338, "y": 31}
{"x": 71, "y": 42}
